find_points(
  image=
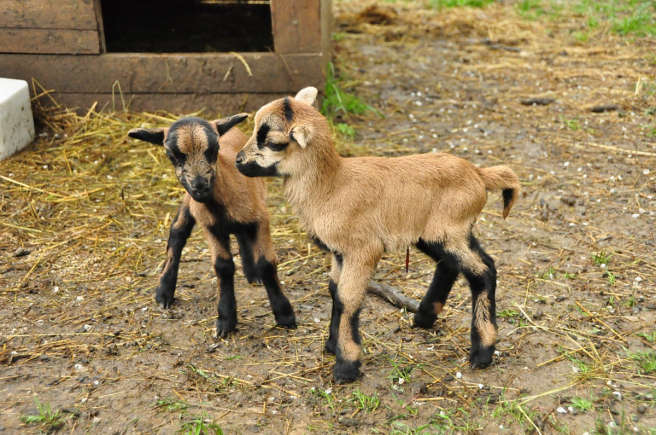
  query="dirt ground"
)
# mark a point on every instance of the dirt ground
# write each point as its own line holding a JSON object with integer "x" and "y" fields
{"x": 85, "y": 214}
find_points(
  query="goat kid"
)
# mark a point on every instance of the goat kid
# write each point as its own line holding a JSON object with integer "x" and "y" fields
{"x": 223, "y": 202}
{"x": 358, "y": 208}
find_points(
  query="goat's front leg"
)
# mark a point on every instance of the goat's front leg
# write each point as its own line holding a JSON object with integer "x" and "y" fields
{"x": 335, "y": 274}
{"x": 224, "y": 267}
{"x": 180, "y": 231}
{"x": 348, "y": 302}
{"x": 267, "y": 270}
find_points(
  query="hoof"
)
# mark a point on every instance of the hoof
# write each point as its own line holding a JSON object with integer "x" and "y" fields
{"x": 164, "y": 298}
{"x": 346, "y": 372}
{"x": 481, "y": 358}
{"x": 288, "y": 321}
{"x": 225, "y": 327}
{"x": 331, "y": 347}
{"x": 254, "y": 280}
{"x": 424, "y": 321}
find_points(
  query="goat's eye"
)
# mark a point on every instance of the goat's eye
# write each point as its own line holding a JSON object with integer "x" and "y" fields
{"x": 276, "y": 146}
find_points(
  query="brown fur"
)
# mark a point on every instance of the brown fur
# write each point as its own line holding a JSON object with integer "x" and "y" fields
{"x": 361, "y": 207}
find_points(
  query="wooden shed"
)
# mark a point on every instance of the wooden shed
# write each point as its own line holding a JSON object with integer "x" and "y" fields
{"x": 177, "y": 55}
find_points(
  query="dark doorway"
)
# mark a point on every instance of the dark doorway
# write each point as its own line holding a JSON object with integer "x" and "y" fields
{"x": 186, "y": 26}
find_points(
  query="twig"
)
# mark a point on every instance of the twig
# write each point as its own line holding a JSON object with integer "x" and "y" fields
{"x": 393, "y": 295}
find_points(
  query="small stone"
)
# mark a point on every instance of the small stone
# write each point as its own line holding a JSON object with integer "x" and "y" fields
{"x": 642, "y": 409}
{"x": 459, "y": 375}
{"x": 21, "y": 252}
{"x": 448, "y": 378}
{"x": 560, "y": 298}
{"x": 561, "y": 410}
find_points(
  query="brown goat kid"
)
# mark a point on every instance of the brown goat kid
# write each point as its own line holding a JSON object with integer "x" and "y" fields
{"x": 359, "y": 208}
{"x": 223, "y": 202}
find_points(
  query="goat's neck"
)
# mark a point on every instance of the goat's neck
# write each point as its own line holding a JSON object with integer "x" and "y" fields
{"x": 308, "y": 189}
{"x": 223, "y": 183}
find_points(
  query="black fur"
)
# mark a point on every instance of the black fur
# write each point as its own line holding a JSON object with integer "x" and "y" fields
{"x": 282, "y": 309}
{"x": 287, "y": 109}
{"x": 446, "y": 273}
{"x": 165, "y": 294}
{"x": 228, "y": 123}
{"x": 227, "y": 309}
{"x": 252, "y": 169}
{"x": 262, "y": 134}
{"x": 333, "y": 331}
{"x": 507, "y": 197}
{"x": 346, "y": 371}
{"x": 154, "y": 136}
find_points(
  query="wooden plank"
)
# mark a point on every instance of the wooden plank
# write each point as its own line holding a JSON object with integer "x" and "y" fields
{"x": 48, "y": 14}
{"x": 296, "y": 26}
{"x": 101, "y": 25}
{"x": 167, "y": 73}
{"x": 49, "y": 41}
{"x": 326, "y": 29}
{"x": 211, "y": 104}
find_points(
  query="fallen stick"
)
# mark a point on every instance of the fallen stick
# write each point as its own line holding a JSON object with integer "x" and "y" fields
{"x": 393, "y": 295}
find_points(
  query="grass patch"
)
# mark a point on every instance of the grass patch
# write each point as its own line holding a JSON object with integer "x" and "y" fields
{"x": 581, "y": 404}
{"x": 171, "y": 405}
{"x": 601, "y": 257}
{"x": 48, "y": 420}
{"x": 338, "y": 101}
{"x": 645, "y": 361}
{"x": 364, "y": 402}
{"x": 650, "y": 337}
{"x": 200, "y": 425}
{"x": 441, "y": 4}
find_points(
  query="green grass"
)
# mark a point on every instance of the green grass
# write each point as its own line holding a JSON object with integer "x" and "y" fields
{"x": 645, "y": 361}
{"x": 627, "y": 17}
{"x": 650, "y": 337}
{"x": 581, "y": 404}
{"x": 326, "y": 395}
{"x": 601, "y": 257}
{"x": 573, "y": 124}
{"x": 440, "y": 4}
{"x": 364, "y": 402}
{"x": 346, "y": 130}
{"x": 171, "y": 405}
{"x": 338, "y": 101}
{"x": 48, "y": 420}
{"x": 399, "y": 372}
{"x": 199, "y": 425}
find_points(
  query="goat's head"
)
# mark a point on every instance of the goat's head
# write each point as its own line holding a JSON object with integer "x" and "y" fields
{"x": 192, "y": 145}
{"x": 283, "y": 129}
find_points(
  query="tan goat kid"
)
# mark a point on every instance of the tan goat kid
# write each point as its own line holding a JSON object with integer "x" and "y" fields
{"x": 359, "y": 208}
{"x": 223, "y": 202}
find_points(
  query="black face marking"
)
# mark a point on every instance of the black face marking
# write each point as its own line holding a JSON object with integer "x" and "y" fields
{"x": 262, "y": 134}
{"x": 254, "y": 170}
{"x": 287, "y": 109}
{"x": 277, "y": 147}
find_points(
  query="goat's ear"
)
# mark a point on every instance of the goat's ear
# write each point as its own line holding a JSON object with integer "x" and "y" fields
{"x": 307, "y": 95}
{"x": 224, "y": 124}
{"x": 301, "y": 134}
{"x": 152, "y": 135}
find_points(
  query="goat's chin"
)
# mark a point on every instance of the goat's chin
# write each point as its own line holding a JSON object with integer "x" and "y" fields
{"x": 255, "y": 170}
{"x": 200, "y": 198}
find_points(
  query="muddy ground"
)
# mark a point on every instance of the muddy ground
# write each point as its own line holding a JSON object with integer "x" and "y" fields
{"x": 85, "y": 219}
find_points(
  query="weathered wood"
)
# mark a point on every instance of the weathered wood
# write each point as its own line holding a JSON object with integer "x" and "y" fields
{"x": 211, "y": 104}
{"x": 174, "y": 73}
{"x": 296, "y": 26}
{"x": 49, "y": 41}
{"x": 100, "y": 24}
{"x": 48, "y": 14}
{"x": 393, "y": 295}
{"x": 326, "y": 29}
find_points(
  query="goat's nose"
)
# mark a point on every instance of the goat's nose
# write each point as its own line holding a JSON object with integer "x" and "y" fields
{"x": 240, "y": 157}
{"x": 199, "y": 184}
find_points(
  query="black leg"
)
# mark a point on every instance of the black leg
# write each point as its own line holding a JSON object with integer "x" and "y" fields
{"x": 246, "y": 240}
{"x": 282, "y": 309}
{"x": 227, "y": 309}
{"x": 484, "y": 319}
{"x": 446, "y": 273}
{"x": 333, "y": 331}
{"x": 178, "y": 235}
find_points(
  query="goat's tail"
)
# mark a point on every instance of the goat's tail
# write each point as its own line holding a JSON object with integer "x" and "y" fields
{"x": 502, "y": 177}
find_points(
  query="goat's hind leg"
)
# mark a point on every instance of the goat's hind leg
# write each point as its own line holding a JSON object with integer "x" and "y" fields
{"x": 335, "y": 273}
{"x": 482, "y": 279}
{"x": 178, "y": 235}
{"x": 446, "y": 273}
{"x": 267, "y": 270}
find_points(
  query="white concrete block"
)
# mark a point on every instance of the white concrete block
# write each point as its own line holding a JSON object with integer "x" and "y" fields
{"x": 16, "y": 121}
